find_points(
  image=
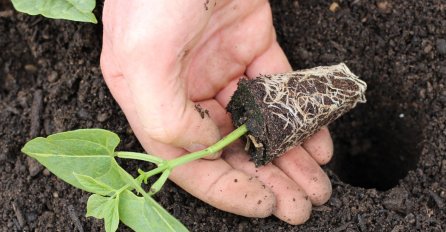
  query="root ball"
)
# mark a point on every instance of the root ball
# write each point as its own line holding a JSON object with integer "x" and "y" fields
{"x": 283, "y": 110}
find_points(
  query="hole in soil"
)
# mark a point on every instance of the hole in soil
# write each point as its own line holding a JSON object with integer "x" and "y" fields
{"x": 377, "y": 145}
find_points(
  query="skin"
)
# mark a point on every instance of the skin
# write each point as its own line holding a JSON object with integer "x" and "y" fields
{"x": 160, "y": 58}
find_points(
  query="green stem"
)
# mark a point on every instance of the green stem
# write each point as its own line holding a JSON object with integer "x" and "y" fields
{"x": 167, "y": 166}
{"x": 146, "y": 175}
{"x": 228, "y": 139}
{"x": 160, "y": 182}
{"x": 119, "y": 191}
{"x": 139, "y": 156}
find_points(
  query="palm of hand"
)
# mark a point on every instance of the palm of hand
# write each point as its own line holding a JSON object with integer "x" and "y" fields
{"x": 196, "y": 54}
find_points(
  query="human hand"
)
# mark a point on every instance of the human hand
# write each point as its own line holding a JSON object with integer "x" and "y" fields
{"x": 161, "y": 58}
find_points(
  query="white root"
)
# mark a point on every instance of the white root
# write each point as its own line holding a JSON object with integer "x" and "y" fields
{"x": 254, "y": 142}
{"x": 306, "y": 108}
{"x": 248, "y": 144}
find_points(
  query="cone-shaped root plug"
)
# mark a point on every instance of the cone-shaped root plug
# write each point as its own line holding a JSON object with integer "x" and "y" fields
{"x": 282, "y": 110}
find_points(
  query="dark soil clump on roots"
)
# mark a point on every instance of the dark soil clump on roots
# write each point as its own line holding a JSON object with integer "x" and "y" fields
{"x": 389, "y": 168}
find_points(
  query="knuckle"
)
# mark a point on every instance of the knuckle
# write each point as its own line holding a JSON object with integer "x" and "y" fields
{"x": 164, "y": 133}
{"x": 169, "y": 128}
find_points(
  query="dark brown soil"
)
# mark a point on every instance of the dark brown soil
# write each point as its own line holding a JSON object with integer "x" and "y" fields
{"x": 393, "y": 147}
{"x": 247, "y": 107}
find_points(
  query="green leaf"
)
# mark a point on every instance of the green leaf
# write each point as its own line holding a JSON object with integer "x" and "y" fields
{"x": 95, "y": 206}
{"x": 88, "y": 152}
{"x": 76, "y": 10}
{"x": 145, "y": 214}
{"x": 111, "y": 215}
{"x": 106, "y": 208}
{"x": 94, "y": 186}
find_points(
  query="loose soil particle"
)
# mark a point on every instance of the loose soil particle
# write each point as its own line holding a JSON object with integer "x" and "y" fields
{"x": 400, "y": 129}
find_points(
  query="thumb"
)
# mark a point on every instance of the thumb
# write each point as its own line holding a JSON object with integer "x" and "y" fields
{"x": 188, "y": 126}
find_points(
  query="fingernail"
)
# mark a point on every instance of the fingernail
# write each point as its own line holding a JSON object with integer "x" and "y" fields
{"x": 195, "y": 147}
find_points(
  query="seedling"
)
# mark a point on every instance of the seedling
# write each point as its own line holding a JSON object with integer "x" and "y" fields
{"x": 276, "y": 112}
{"x": 85, "y": 158}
